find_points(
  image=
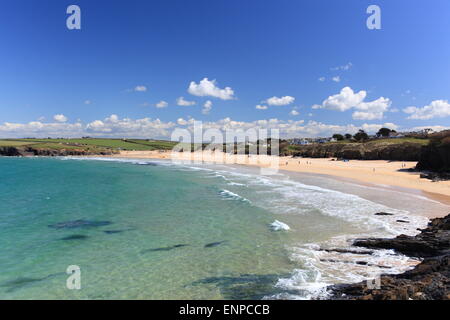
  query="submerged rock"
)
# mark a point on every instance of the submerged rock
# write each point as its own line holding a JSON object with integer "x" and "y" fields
{"x": 384, "y": 214}
{"x": 21, "y": 282}
{"x": 75, "y": 237}
{"x": 215, "y": 244}
{"x": 79, "y": 224}
{"x": 165, "y": 248}
{"x": 117, "y": 231}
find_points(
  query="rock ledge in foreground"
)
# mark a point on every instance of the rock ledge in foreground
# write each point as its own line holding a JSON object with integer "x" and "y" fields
{"x": 429, "y": 280}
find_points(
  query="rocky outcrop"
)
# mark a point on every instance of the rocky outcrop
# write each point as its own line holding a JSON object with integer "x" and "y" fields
{"x": 406, "y": 151}
{"x": 9, "y": 151}
{"x": 30, "y": 151}
{"x": 436, "y": 155}
{"x": 430, "y": 279}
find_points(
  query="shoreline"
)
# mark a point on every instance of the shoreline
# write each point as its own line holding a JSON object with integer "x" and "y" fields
{"x": 385, "y": 174}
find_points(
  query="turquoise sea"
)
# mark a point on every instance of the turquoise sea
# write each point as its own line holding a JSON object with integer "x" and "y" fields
{"x": 157, "y": 230}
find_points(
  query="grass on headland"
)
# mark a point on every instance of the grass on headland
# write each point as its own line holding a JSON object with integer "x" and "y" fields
{"x": 90, "y": 144}
{"x": 13, "y": 143}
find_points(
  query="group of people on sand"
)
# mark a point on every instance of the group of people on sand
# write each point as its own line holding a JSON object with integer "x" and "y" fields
{"x": 307, "y": 162}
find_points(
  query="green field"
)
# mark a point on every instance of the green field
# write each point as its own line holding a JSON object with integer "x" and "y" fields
{"x": 13, "y": 143}
{"x": 90, "y": 144}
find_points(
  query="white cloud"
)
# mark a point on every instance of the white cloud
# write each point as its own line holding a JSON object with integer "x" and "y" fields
{"x": 294, "y": 112}
{"x": 115, "y": 127}
{"x": 347, "y": 99}
{"x": 182, "y": 122}
{"x": 209, "y": 88}
{"x": 434, "y": 128}
{"x": 60, "y": 118}
{"x": 283, "y": 101}
{"x": 185, "y": 103}
{"x": 87, "y": 102}
{"x": 344, "y": 67}
{"x": 261, "y": 107}
{"x": 322, "y": 79}
{"x": 207, "y": 107}
{"x": 343, "y": 101}
{"x": 41, "y": 130}
{"x": 372, "y": 110}
{"x": 162, "y": 104}
{"x": 140, "y": 88}
{"x": 436, "y": 109}
{"x": 371, "y": 128}
{"x": 336, "y": 79}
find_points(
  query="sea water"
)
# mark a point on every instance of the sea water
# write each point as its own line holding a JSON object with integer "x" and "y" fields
{"x": 142, "y": 229}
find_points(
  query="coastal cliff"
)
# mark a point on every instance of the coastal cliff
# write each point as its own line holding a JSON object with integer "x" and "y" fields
{"x": 436, "y": 155}
{"x": 30, "y": 151}
{"x": 430, "y": 279}
{"x": 406, "y": 151}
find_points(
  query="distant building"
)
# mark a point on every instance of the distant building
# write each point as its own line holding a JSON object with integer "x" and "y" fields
{"x": 299, "y": 141}
{"x": 395, "y": 135}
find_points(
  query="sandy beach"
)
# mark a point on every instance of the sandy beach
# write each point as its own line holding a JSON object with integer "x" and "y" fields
{"x": 381, "y": 172}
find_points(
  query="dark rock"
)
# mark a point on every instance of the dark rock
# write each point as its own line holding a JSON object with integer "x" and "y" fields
{"x": 436, "y": 155}
{"x": 402, "y": 221}
{"x": 383, "y": 214}
{"x": 339, "y": 250}
{"x": 48, "y": 152}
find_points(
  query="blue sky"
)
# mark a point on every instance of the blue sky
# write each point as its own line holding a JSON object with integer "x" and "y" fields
{"x": 284, "y": 49}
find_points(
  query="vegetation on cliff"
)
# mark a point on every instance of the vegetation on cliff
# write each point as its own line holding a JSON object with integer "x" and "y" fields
{"x": 402, "y": 149}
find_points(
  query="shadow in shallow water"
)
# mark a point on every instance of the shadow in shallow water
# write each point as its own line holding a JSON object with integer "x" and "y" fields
{"x": 74, "y": 237}
{"x": 247, "y": 286}
{"x": 79, "y": 224}
{"x": 22, "y": 282}
{"x": 165, "y": 248}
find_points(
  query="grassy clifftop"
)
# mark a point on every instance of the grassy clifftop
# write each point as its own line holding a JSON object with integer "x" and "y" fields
{"x": 78, "y": 146}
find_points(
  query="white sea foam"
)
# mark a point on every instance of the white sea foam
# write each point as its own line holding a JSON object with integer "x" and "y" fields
{"x": 278, "y": 225}
{"x": 228, "y": 195}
